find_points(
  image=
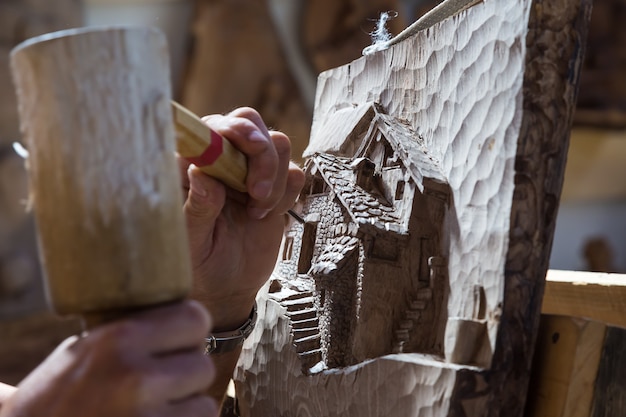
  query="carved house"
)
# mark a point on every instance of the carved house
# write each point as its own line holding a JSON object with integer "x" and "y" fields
{"x": 352, "y": 273}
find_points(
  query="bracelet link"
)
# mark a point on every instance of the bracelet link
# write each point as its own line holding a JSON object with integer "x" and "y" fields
{"x": 229, "y": 341}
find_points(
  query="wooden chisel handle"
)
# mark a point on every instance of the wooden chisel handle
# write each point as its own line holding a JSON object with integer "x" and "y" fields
{"x": 208, "y": 150}
{"x": 211, "y": 152}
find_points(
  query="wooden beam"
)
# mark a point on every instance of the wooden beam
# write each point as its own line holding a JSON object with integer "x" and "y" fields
{"x": 578, "y": 370}
{"x": 595, "y": 296}
{"x": 565, "y": 367}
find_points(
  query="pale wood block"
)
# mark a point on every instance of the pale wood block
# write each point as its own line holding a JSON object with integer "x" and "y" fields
{"x": 97, "y": 121}
{"x": 565, "y": 367}
{"x": 591, "y": 295}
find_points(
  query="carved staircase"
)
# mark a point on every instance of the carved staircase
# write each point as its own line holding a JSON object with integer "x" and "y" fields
{"x": 304, "y": 328}
{"x": 419, "y": 303}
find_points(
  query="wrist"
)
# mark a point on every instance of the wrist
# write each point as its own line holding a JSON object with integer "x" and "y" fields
{"x": 232, "y": 340}
{"x": 228, "y": 314}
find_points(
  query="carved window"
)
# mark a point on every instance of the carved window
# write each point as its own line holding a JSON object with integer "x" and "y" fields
{"x": 378, "y": 154}
{"x": 288, "y": 248}
{"x": 400, "y": 190}
{"x": 391, "y": 158}
{"x": 366, "y": 175}
{"x": 308, "y": 245}
{"x": 318, "y": 186}
{"x": 480, "y": 303}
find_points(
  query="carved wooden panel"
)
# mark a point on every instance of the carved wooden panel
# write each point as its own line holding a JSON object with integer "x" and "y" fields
{"x": 433, "y": 176}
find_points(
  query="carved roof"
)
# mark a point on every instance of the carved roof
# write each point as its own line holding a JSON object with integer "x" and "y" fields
{"x": 363, "y": 207}
{"x": 340, "y": 172}
{"x": 338, "y": 135}
{"x": 337, "y": 249}
{"x": 411, "y": 149}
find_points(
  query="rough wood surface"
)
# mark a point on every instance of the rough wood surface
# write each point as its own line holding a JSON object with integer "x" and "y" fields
{"x": 96, "y": 117}
{"x": 457, "y": 127}
{"x": 594, "y": 296}
{"x": 555, "y": 42}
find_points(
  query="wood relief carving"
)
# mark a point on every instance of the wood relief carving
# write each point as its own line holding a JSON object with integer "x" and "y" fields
{"x": 433, "y": 174}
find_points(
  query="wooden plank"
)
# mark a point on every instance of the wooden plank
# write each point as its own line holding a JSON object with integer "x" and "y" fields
{"x": 591, "y": 295}
{"x": 566, "y": 363}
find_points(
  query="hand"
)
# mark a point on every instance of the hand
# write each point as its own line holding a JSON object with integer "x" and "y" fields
{"x": 149, "y": 364}
{"x": 234, "y": 237}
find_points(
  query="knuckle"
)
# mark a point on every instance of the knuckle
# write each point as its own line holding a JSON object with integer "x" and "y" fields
{"x": 245, "y": 112}
{"x": 109, "y": 337}
{"x": 281, "y": 143}
{"x": 110, "y": 362}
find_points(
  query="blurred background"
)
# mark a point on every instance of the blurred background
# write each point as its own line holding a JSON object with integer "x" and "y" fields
{"x": 267, "y": 54}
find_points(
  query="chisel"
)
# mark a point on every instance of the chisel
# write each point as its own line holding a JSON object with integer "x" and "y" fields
{"x": 211, "y": 152}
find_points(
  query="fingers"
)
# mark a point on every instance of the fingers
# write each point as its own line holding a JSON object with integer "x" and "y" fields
{"x": 183, "y": 167}
{"x": 246, "y": 130}
{"x": 149, "y": 362}
{"x": 272, "y": 182}
{"x": 267, "y": 152}
{"x": 193, "y": 407}
{"x": 175, "y": 377}
{"x": 173, "y": 365}
{"x": 180, "y": 326}
{"x": 259, "y": 208}
{"x": 206, "y": 197}
{"x": 293, "y": 186}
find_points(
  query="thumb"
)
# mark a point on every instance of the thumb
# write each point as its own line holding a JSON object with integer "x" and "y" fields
{"x": 204, "y": 203}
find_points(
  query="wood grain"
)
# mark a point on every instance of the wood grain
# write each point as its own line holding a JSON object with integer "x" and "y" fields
{"x": 555, "y": 42}
{"x": 594, "y": 296}
{"x": 565, "y": 367}
{"x": 487, "y": 97}
{"x": 96, "y": 117}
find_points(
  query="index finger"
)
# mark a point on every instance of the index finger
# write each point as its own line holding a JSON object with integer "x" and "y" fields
{"x": 245, "y": 128}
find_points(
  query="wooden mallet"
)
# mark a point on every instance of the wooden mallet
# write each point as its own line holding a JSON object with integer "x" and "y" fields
{"x": 96, "y": 117}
